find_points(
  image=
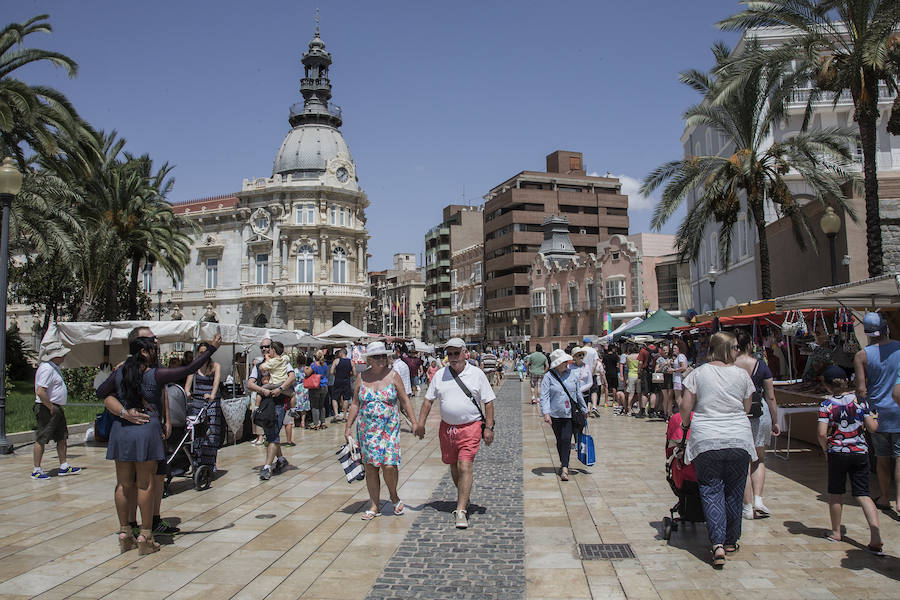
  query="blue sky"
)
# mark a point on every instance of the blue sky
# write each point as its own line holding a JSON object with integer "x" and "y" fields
{"x": 441, "y": 101}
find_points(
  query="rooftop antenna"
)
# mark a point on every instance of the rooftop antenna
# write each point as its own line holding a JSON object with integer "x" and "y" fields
{"x": 317, "y": 22}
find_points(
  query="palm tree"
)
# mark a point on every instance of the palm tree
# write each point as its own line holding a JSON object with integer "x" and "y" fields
{"x": 756, "y": 167}
{"x": 842, "y": 45}
{"x": 32, "y": 115}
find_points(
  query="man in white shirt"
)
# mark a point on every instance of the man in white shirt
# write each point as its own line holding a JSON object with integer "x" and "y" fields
{"x": 50, "y": 396}
{"x": 591, "y": 359}
{"x": 462, "y": 426}
{"x": 275, "y": 460}
{"x": 402, "y": 369}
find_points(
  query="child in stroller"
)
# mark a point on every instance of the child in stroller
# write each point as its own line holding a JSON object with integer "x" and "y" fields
{"x": 682, "y": 479}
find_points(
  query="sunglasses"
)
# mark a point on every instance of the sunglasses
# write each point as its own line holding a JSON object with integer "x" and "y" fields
{"x": 457, "y": 353}
{"x": 264, "y": 347}
{"x": 151, "y": 339}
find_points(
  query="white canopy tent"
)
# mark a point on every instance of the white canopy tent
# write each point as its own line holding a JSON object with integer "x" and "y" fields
{"x": 623, "y": 327}
{"x": 877, "y": 292}
{"x": 343, "y": 332}
{"x": 421, "y": 346}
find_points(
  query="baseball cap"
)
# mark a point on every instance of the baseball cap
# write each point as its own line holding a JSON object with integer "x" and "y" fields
{"x": 873, "y": 324}
{"x": 833, "y": 372}
{"x": 455, "y": 343}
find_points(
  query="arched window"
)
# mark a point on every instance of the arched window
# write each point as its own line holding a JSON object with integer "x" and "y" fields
{"x": 305, "y": 264}
{"x": 339, "y": 265}
{"x": 260, "y": 321}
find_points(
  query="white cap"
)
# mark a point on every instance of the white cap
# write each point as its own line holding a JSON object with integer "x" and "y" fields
{"x": 455, "y": 343}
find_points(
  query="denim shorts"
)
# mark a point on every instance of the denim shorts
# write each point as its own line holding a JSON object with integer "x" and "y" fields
{"x": 886, "y": 443}
{"x": 273, "y": 434}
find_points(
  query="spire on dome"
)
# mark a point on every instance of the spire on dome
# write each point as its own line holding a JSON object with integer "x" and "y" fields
{"x": 315, "y": 87}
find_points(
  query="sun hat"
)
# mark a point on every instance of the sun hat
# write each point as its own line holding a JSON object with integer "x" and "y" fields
{"x": 558, "y": 357}
{"x": 53, "y": 350}
{"x": 578, "y": 350}
{"x": 376, "y": 349}
{"x": 873, "y": 324}
{"x": 455, "y": 343}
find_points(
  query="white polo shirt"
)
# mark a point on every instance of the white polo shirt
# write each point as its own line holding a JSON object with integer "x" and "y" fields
{"x": 590, "y": 358}
{"x": 402, "y": 370}
{"x": 456, "y": 407}
{"x": 48, "y": 376}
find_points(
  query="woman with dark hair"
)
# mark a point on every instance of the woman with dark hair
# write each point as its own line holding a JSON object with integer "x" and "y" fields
{"x": 203, "y": 389}
{"x": 763, "y": 424}
{"x": 136, "y": 438}
{"x": 720, "y": 444}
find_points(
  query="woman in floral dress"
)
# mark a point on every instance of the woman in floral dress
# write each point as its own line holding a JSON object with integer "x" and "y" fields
{"x": 376, "y": 395}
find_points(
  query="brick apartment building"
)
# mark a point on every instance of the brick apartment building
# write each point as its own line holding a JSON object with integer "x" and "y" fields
{"x": 513, "y": 215}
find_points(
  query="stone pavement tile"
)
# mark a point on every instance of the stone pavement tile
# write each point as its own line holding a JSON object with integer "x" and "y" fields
{"x": 560, "y": 583}
{"x": 206, "y": 591}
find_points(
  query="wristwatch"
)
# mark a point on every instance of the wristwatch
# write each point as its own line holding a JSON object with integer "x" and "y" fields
{"x": 122, "y": 413}
{"x": 491, "y": 427}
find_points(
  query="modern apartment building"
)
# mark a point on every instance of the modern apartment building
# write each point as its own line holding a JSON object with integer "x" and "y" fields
{"x": 461, "y": 227}
{"x": 514, "y": 212}
{"x": 398, "y": 298}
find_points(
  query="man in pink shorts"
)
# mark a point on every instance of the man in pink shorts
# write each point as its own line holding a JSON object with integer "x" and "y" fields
{"x": 460, "y": 387}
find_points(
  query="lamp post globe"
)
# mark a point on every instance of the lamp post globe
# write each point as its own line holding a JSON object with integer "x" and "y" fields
{"x": 10, "y": 184}
{"x": 831, "y": 226}
{"x": 712, "y": 275}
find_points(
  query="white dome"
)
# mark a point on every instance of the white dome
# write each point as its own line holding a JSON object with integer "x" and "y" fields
{"x": 308, "y": 148}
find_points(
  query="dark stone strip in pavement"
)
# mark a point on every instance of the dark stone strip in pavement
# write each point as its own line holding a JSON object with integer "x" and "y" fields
{"x": 487, "y": 560}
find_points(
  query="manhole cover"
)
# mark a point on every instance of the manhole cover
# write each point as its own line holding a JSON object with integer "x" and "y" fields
{"x": 604, "y": 551}
{"x": 265, "y": 516}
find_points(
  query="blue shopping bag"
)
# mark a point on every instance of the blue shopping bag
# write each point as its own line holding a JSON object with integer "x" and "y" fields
{"x": 586, "y": 450}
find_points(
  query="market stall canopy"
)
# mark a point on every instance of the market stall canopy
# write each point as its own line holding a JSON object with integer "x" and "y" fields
{"x": 609, "y": 336}
{"x": 757, "y": 307}
{"x": 877, "y": 292}
{"x": 421, "y": 346}
{"x": 658, "y": 323}
{"x": 343, "y": 332}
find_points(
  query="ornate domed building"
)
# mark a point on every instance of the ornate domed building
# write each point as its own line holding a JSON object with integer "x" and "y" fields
{"x": 287, "y": 245}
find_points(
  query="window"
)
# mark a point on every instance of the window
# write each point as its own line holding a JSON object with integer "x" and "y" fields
{"x": 453, "y": 278}
{"x": 333, "y": 218}
{"x": 573, "y": 296}
{"x": 212, "y": 273}
{"x": 538, "y": 302}
{"x": 338, "y": 264}
{"x": 667, "y": 286}
{"x": 591, "y": 294}
{"x": 714, "y": 250}
{"x": 262, "y": 268}
{"x": 147, "y": 278}
{"x": 554, "y": 300}
{"x": 306, "y": 214}
{"x": 540, "y": 327}
{"x": 454, "y": 300}
{"x": 615, "y": 292}
{"x": 178, "y": 283}
{"x": 349, "y": 218}
{"x": 305, "y": 264}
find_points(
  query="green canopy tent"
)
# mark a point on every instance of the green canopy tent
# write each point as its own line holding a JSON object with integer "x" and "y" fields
{"x": 658, "y": 323}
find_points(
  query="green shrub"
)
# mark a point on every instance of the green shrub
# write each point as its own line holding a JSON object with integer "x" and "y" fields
{"x": 80, "y": 384}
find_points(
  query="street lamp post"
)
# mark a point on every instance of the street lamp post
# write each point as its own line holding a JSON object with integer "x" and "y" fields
{"x": 10, "y": 184}
{"x": 310, "y": 312}
{"x": 159, "y": 305}
{"x": 831, "y": 225}
{"x": 515, "y": 323}
{"x": 712, "y": 275}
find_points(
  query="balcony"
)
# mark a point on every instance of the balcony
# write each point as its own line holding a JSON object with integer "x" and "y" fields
{"x": 176, "y": 295}
{"x": 615, "y": 301}
{"x": 209, "y": 293}
{"x": 572, "y": 306}
{"x": 257, "y": 290}
{"x": 298, "y": 289}
{"x": 800, "y": 97}
{"x": 329, "y": 289}
{"x": 539, "y": 310}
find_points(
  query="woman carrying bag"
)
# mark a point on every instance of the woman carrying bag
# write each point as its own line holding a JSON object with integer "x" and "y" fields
{"x": 563, "y": 406}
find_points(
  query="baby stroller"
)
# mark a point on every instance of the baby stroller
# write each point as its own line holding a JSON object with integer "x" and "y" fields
{"x": 682, "y": 479}
{"x": 192, "y": 430}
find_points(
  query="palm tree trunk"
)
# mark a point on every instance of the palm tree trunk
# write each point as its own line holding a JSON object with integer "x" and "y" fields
{"x": 866, "y": 102}
{"x": 133, "y": 287}
{"x": 765, "y": 272}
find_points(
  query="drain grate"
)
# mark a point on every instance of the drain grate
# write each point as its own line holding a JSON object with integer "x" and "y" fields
{"x": 605, "y": 551}
{"x": 265, "y": 516}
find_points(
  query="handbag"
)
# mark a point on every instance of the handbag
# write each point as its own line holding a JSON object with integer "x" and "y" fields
{"x": 351, "y": 461}
{"x": 658, "y": 377}
{"x": 578, "y": 418}
{"x": 756, "y": 399}
{"x": 312, "y": 382}
{"x": 265, "y": 416}
{"x": 466, "y": 391}
{"x": 234, "y": 410}
{"x": 102, "y": 426}
{"x": 586, "y": 455}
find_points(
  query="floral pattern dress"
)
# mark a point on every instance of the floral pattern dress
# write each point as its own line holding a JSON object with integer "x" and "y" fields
{"x": 378, "y": 428}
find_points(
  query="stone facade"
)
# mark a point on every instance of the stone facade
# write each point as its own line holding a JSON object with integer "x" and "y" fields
{"x": 398, "y": 299}
{"x": 467, "y": 293}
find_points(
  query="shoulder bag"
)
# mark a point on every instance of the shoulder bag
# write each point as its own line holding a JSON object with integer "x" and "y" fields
{"x": 578, "y": 417}
{"x": 756, "y": 400}
{"x": 312, "y": 382}
{"x": 466, "y": 391}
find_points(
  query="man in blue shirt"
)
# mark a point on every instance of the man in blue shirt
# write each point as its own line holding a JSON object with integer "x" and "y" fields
{"x": 875, "y": 368}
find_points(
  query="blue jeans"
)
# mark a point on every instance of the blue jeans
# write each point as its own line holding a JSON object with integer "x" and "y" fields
{"x": 273, "y": 434}
{"x": 722, "y": 475}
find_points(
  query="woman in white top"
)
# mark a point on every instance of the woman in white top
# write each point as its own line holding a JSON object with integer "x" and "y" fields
{"x": 679, "y": 368}
{"x": 582, "y": 372}
{"x": 721, "y": 443}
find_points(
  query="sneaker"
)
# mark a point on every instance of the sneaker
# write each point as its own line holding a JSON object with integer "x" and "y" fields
{"x": 265, "y": 474}
{"x": 747, "y": 512}
{"x": 39, "y": 475}
{"x": 462, "y": 520}
{"x": 281, "y": 464}
{"x": 595, "y": 411}
{"x": 761, "y": 509}
{"x": 164, "y": 528}
{"x": 70, "y": 470}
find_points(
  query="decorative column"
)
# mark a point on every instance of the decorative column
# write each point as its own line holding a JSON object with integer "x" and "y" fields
{"x": 283, "y": 275}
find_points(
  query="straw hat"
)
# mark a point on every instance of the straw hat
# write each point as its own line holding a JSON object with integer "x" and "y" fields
{"x": 578, "y": 350}
{"x": 376, "y": 349}
{"x": 558, "y": 357}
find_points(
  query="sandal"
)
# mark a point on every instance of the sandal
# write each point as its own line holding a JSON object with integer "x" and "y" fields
{"x": 370, "y": 514}
{"x": 876, "y": 550}
{"x": 732, "y": 548}
{"x": 718, "y": 561}
{"x": 563, "y": 475}
{"x": 399, "y": 507}
{"x": 145, "y": 543}
{"x": 831, "y": 538}
{"x": 126, "y": 539}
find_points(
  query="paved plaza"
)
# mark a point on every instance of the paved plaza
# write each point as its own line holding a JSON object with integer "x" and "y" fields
{"x": 299, "y": 535}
